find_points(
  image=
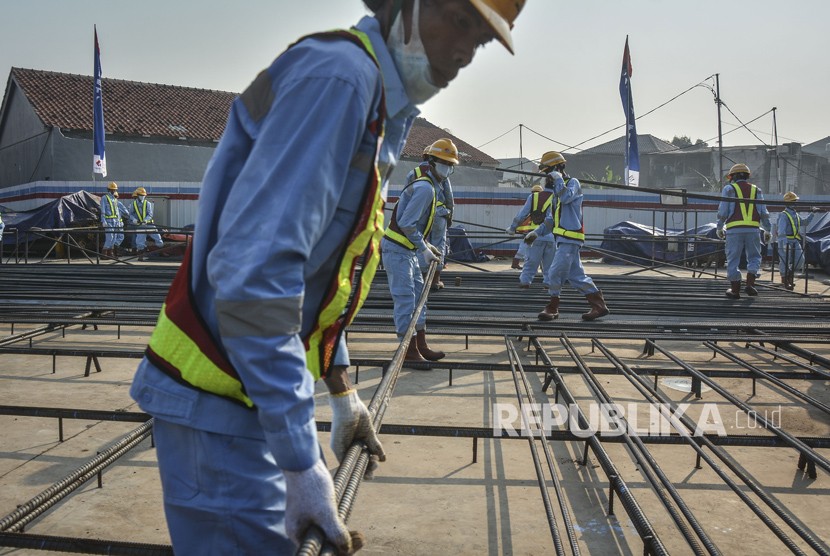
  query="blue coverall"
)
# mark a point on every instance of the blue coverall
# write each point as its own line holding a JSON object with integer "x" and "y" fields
{"x": 791, "y": 246}
{"x": 742, "y": 239}
{"x": 112, "y": 214}
{"x": 403, "y": 270}
{"x": 566, "y": 265}
{"x": 277, "y": 201}
{"x": 541, "y": 252}
{"x": 141, "y": 215}
{"x": 443, "y": 210}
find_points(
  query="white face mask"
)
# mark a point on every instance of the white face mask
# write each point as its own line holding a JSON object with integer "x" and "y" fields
{"x": 141, "y": 198}
{"x": 411, "y": 59}
{"x": 443, "y": 170}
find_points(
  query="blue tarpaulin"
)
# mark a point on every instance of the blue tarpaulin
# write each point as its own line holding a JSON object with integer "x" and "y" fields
{"x": 639, "y": 244}
{"x": 70, "y": 211}
{"x": 460, "y": 247}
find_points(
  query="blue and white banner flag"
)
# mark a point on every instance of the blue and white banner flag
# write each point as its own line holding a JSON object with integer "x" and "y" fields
{"x": 632, "y": 155}
{"x": 99, "y": 160}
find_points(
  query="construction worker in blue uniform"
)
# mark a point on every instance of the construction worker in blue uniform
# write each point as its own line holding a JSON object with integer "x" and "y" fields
{"x": 141, "y": 216}
{"x": 113, "y": 213}
{"x": 790, "y": 232}
{"x": 565, "y": 222}
{"x": 739, "y": 223}
{"x": 404, "y": 242}
{"x": 540, "y": 253}
{"x": 258, "y": 308}
{"x": 444, "y": 206}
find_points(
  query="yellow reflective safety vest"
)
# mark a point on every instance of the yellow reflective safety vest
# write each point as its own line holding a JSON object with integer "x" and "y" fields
{"x": 182, "y": 345}
{"x": 142, "y": 212}
{"x": 114, "y": 214}
{"x": 394, "y": 233}
{"x": 562, "y": 232}
{"x": 795, "y": 226}
{"x": 745, "y": 213}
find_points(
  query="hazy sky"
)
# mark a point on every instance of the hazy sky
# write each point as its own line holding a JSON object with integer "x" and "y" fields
{"x": 562, "y": 83}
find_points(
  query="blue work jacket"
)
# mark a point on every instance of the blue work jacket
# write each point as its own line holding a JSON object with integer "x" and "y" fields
{"x": 278, "y": 199}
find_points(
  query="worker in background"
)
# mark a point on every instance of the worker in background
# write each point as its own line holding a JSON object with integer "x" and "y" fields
{"x": 405, "y": 241}
{"x": 113, "y": 213}
{"x": 739, "y": 222}
{"x": 791, "y": 226}
{"x": 567, "y": 226}
{"x": 258, "y": 309}
{"x": 532, "y": 214}
{"x": 445, "y": 204}
{"x": 141, "y": 216}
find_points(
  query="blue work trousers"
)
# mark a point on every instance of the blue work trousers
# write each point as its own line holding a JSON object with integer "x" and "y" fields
{"x": 540, "y": 253}
{"x": 567, "y": 267}
{"x": 141, "y": 239}
{"x": 113, "y": 237}
{"x": 223, "y": 494}
{"x": 790, "y": 256}
{"x": 405, "y": 284}
{"x": 742, "y": 241}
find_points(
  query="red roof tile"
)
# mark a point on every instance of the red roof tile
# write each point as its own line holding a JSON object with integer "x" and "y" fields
{"x": 130, "y": 108}
{"x": 425, "y": 133}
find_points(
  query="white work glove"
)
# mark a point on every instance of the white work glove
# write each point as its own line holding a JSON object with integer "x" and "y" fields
{"x": 350, "y": 421}
{"x": 767, "y": 236}
{"x": 721, "y": 233}
{"x": 309, "y": 499}
{"x": 554, "y": 175}
{"x": 431, "y": 253}
{"x": 531, "y": 237}
{"x": 510, "y": 231}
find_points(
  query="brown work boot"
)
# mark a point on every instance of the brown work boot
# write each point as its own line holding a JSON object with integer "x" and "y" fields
{"x": 412, "y": 354}
{"x": 437, "y": 284}
{"x": 423, "y": 348}
{"x": 524, "y": 286}
{"x": 551, "y": 310}
{"x": 516, "y": 264}
{"x": 734, "y": 291}
{"x": 598, "y": 307}
{"x": 750, "y": 285}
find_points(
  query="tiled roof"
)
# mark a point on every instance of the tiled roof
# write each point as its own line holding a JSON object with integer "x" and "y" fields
{"x": 130, "y": 108}
{"x": 424, "y": 133}
{"x": 646, "y": 144}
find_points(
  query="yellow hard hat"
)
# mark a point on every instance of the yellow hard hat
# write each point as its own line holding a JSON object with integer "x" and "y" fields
{"x": 550, "y": 160}
{"x": 443, "y": 149}
{"x": 790, "y": 197}
{"x": 739, "y": 168}
{"x": 500, "y": 15}
{"x": 139, "y": 191}
{"x": 112, "y": 186}
{"x": 536, "y": 188}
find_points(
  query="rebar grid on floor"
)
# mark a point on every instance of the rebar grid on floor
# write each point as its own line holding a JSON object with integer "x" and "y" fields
{"x": 649, "y": 309}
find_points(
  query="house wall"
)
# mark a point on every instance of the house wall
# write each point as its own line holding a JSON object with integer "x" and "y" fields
{"x": 24, "y": 141}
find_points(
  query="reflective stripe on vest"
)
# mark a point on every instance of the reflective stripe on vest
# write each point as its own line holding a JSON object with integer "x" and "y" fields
{"x": 182, "y": 345}
{"x": 562, "y": 232}
{"x": 795, "y": 226}
{"x": 394, "y": 233}
{"x": 748, "y": 214}
{"x": 527, "y": 224}
{"x": 114, "y": 213}
{"x": 142, "y": 214}
{"x": 422, "y": 171}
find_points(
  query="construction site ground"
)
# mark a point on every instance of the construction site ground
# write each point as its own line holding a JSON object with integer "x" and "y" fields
{"x": 430, "y": 496}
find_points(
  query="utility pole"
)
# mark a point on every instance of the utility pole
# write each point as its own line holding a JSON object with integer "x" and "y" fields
{"x": 521, "y": 156}
{"x": 720, "y": 128}
{"x": 777, "y": 160}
